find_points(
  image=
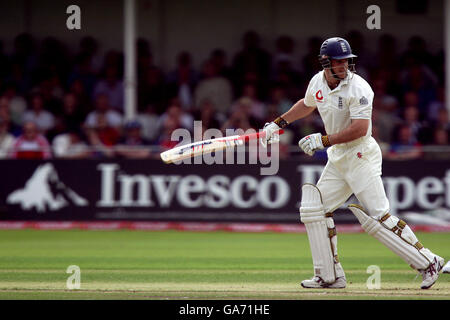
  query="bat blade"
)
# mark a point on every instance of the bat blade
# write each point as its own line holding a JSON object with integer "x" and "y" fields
{"x": 194, "y": 149}
{"x": 207, "y": 146}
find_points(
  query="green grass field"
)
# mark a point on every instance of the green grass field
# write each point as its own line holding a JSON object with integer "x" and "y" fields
{"x": 194, "y": 265}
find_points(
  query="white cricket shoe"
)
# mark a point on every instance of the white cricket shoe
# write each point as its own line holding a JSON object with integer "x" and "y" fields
{"x": 431, "y": 273}
{"x": 317, "y": 283}
{"x": 446, "y": 268}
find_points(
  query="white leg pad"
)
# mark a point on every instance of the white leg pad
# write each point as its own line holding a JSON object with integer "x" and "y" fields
{"x": 313, "y": 216}
{"x": 397, "y": 236}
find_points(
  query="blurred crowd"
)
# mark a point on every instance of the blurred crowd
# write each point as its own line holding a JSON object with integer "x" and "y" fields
{"x": 56, "y": 103}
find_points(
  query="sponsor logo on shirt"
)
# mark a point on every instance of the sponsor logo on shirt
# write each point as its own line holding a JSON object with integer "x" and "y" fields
{"x": 319, "y": 96}
{"x": 363, "y": 101}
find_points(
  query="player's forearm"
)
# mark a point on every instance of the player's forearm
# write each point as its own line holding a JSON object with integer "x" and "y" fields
{"x": 357, "y": 129}
{"x": 298, "y": 111}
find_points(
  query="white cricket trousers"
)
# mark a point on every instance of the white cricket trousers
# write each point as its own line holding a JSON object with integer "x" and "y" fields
{"x": 354, "y": 168}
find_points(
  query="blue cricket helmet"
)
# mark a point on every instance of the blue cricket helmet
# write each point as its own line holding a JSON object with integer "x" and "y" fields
{"x": 336, "y": 48}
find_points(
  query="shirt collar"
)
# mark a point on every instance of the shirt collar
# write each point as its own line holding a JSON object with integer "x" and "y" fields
{"x": 343, "y": 82}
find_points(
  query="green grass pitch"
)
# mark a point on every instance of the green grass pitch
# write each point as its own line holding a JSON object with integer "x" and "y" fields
{"x": 199, "y": 265}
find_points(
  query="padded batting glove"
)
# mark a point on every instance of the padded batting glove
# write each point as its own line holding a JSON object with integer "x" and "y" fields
{"x": 313, "y": 142}
{"x": 271, "y": 136}
{"x": 305, "y": 145}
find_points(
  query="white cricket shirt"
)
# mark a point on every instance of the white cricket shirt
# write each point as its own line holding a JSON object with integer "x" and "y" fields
{"x": 351, "y": 99}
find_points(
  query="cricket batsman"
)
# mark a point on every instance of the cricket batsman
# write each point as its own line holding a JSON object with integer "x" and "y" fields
{"x": 344, "y": 101}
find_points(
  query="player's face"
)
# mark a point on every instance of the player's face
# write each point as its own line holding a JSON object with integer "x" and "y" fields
{"x": 340, "y": 67}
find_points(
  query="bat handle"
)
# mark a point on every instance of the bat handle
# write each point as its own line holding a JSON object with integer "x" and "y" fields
{"x": 257, "y": 135}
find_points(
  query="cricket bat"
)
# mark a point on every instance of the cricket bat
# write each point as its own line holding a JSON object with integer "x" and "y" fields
{"x": 208, "y": 146}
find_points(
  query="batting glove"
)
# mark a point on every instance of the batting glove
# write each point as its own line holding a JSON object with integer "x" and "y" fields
{"x": 271, "y": 135}
{"x": 311, "y": 143}
{"x": 306, "y": 147}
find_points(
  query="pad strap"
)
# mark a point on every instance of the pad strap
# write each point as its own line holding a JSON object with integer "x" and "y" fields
{"x": 396, "y": 235}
